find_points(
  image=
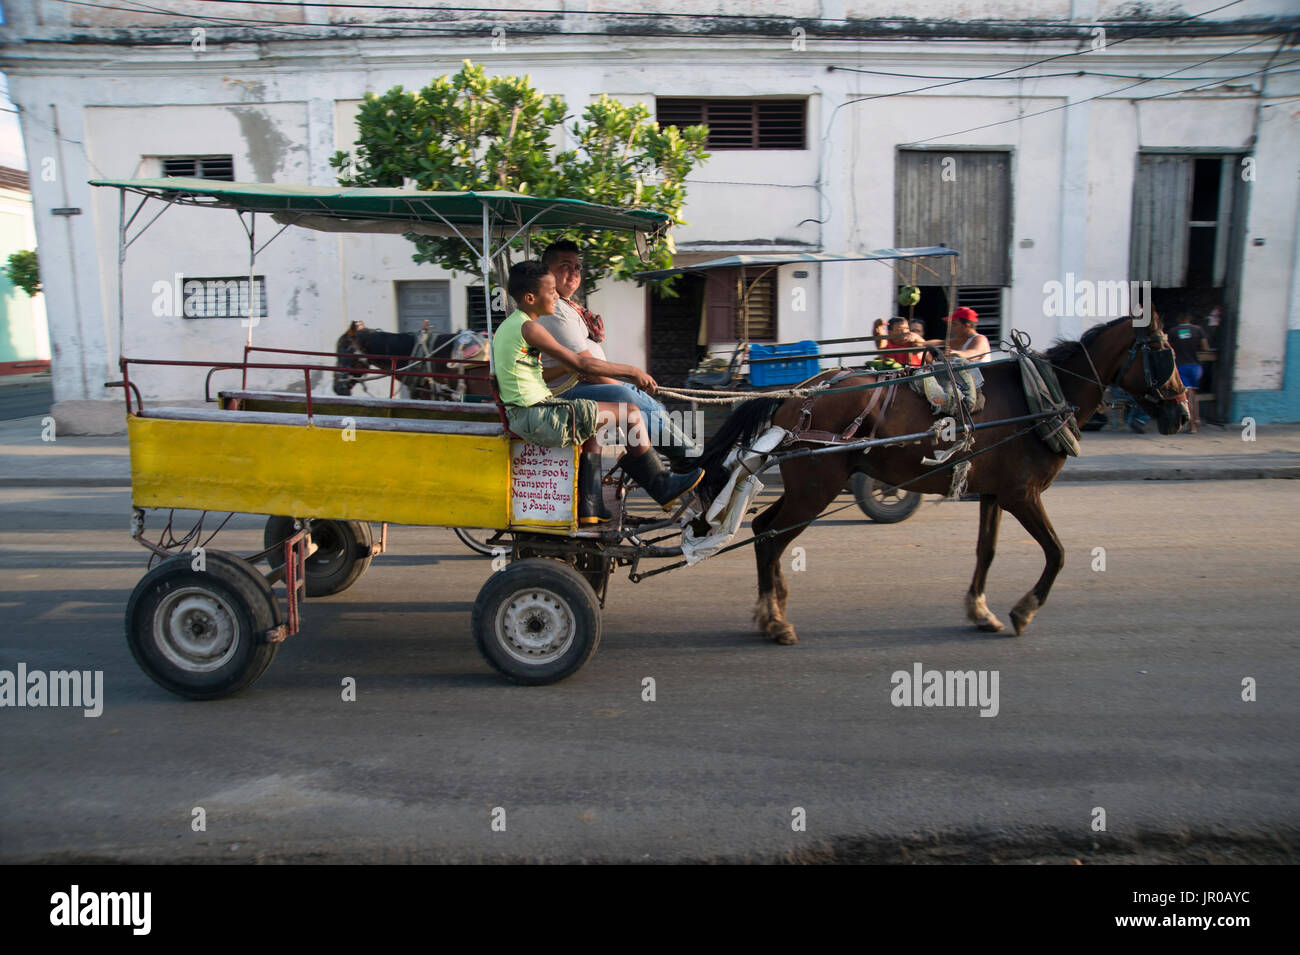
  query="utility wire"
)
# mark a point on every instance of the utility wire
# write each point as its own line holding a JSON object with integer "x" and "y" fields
{"x": 1073, "y": 103}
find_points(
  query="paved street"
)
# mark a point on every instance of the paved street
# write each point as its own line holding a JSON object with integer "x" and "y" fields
{"x": 1125, "y": 695}
{"x": 22, "y": 396}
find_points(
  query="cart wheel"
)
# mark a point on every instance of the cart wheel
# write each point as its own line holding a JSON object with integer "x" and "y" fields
{"x": 537, "y": 621}
{"x": 202, "y": 633}
{"x": 342, "y": 552}
{"x": 467, "y": 538}
{"x": 882, "y": 503}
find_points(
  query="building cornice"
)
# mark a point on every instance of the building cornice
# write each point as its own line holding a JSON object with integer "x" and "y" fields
{"x": 452, "y": 26}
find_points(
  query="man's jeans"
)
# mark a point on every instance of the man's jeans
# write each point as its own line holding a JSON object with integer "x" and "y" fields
{"x": 669, "y": 438}
{"x": 1135, "y": 415}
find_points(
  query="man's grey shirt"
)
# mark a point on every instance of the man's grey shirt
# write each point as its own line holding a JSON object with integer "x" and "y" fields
{"x": 568, "y": 328}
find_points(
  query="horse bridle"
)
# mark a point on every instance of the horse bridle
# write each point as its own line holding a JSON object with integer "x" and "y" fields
{"x": 1158, "y": 367}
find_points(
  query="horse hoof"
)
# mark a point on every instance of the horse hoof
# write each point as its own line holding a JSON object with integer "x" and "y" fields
{"x": 783, "y": 633}
{"x": 1023, "y": 613}
{"x": 977, "y": 611}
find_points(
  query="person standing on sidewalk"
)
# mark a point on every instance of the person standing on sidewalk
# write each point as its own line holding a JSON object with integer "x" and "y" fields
{"x": 1188, "y": 339}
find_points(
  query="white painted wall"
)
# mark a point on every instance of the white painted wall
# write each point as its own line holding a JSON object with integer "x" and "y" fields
{"x": 1270, "y": 278}
{"x": 283, "y": 115}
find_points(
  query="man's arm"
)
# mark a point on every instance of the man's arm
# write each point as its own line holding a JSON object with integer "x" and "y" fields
{"x": 556, "y": 372}
{"x": 584, "y": 363}
{"x": 978, "y": 347}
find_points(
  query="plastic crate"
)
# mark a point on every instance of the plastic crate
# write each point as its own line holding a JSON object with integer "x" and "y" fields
{"x": 803, "y": 363}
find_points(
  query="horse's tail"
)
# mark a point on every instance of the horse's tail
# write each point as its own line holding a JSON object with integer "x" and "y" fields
{"x": 741, "y": 427}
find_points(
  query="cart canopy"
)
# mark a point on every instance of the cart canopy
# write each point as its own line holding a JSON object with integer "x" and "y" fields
{"x": 399, "y": 211}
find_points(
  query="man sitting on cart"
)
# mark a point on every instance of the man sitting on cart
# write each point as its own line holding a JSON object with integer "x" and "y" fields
{"x": 582, "y": 332}
{"x": 537, "y": 416}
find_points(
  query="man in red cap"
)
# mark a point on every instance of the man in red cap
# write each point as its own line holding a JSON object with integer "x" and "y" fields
{"x": 963, "y": 340}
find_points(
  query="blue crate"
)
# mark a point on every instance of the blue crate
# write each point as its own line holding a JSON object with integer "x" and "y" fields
{"x": 800, "y": 366}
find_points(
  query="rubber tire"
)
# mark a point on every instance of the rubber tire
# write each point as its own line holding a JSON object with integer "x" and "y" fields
{"x": 344, "y": 555}
{"x": 865, "y": 489}
{"x": 563, "y": 582}
{"x": 478, "y": 547}
{"x": 254, "y": 608}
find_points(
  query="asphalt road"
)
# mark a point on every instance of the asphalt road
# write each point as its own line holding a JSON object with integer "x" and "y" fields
{"x": 21, "y": 399}
{"x": 1124, "y": 695}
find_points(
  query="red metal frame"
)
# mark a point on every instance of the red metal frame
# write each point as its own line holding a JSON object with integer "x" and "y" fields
{"x": 295, "y": 577}
{"x": 393, "y": 372}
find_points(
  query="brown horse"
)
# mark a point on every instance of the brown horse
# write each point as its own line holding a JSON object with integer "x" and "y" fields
{"x": 1011, "y": 476}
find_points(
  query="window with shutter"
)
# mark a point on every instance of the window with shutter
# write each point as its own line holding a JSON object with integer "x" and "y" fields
{"x": 200, "y": 167}
{"x": 1182, "y": 206}
{"x": 740, "y": 123}
{"x": 726, "y": 291}
{"x": 475, "y": 319}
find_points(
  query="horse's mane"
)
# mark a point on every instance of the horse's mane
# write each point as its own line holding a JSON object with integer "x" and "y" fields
{"x": 741, "y": 427}
{"x": 1062, "y": 350}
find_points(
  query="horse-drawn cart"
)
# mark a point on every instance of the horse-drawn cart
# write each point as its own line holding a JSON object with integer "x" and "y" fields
{"x": 205, "y": 623}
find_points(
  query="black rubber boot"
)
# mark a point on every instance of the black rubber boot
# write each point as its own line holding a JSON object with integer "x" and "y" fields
{"x": 678, "y": 461}
{"x": 664, "y": 486}
{"x": 591, "y": 499}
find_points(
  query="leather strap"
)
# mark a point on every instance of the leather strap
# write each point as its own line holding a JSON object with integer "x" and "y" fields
{"x": 878, "y": 396}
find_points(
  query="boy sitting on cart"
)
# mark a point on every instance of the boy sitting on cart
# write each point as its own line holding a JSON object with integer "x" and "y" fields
{"x": 538, "y": 417}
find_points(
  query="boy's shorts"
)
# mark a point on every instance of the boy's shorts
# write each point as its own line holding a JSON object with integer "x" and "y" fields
{"x": 556, "y": 423}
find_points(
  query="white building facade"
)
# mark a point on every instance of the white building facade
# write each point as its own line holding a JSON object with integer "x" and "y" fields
{"x": 1062, "y": 147}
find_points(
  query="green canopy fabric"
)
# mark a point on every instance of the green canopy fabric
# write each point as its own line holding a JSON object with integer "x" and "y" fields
{"x": 462, "y": 209}
{"x": 767, "y": 259}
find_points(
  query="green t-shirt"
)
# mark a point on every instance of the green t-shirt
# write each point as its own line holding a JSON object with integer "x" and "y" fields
{"x": 518, "y": 365}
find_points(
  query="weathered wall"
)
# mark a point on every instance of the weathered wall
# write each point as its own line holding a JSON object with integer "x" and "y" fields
{"x": 283, "y": 107}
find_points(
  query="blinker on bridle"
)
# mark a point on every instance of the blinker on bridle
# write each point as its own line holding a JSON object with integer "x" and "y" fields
{"x": 1158, "y": 367}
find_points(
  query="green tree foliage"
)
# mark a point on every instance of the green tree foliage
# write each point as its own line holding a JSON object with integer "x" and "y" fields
{"x": 23, "y": 271}
{"x": 472, "y": 131}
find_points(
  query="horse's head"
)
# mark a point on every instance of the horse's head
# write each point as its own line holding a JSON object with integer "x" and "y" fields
{"x": 347, "y": 348}
{"x": 1150, "y": 374}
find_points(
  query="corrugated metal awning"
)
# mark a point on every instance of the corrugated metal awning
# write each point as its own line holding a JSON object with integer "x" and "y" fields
{"x": 794, "y": 258}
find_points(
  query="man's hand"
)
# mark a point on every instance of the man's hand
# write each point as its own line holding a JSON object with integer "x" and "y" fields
{"x": 645, "y": 382}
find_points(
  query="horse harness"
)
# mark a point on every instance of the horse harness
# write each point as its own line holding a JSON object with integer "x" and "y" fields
{"x": 880, "y": 398}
